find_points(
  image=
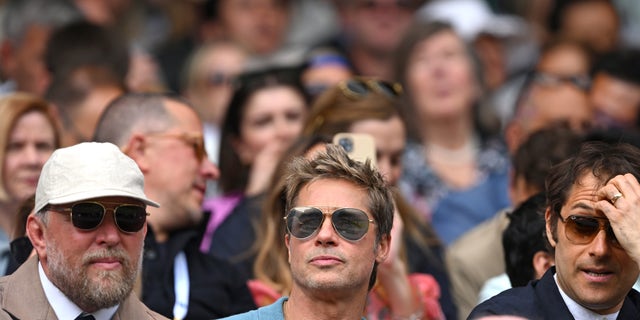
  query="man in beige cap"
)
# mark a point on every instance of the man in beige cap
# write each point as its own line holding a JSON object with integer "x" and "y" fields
{"x": 88, "y": 231}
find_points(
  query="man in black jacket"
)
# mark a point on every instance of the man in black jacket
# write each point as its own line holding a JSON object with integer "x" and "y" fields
{"x": 592, "y": 218}
{"x": 163, "y": 135}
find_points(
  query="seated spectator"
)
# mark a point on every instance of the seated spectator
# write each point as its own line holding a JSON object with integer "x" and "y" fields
{"x": 88, "y": 230}
{"x": 265, "y": 116}
{"x": 471, "y": 260}
{"x": 370, "y": 33}
{"x": 333, "y": 265}
{"x": 27, "y": 26}
{"x": 615, "y": 92}
{"x": 526, "y": 249}
{"x": 79, "y": 98}
{"x": 591, "y": 223}
{"x": 208, "y": 83}
{"x": 29, "y": 134}
{"x": 455, "y": 165}
{"x": 595, "y": 23}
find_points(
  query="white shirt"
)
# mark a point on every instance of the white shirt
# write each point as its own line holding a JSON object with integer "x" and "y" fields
{"x": 580, "y": 312}
{"x": 65, "y": 308}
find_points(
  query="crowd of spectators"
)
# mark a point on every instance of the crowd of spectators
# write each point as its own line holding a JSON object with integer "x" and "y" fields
{"x": 450, "y": 90}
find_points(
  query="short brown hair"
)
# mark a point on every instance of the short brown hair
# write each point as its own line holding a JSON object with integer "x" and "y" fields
{"x": 336, "y": 164}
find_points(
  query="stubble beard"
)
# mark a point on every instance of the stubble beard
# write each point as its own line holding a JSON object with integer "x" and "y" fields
{"x": 105, "y": 289}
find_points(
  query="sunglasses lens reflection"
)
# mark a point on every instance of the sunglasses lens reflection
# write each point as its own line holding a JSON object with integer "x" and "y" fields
{"x": 352, "y": 224}
{"x": 582, "y": 230}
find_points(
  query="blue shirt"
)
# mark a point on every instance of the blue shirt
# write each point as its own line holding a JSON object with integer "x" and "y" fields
{"x": 270, "y": 312}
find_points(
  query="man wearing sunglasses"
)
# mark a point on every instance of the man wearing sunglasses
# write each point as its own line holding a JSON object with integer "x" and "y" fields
{"x": 592, "y": 222}
{"x": 338, "y": 223}
{"x": 163, "y": 135}
{"x": 88, "y": 231}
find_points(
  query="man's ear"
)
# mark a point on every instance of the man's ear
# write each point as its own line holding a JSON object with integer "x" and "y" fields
{"x": 547, "y": 218}
{"x": 384, "y": 246}
{"x": 287, "y": 239}
{"x": 136, "y": 149}
{"x": 36, "y": 232}
{"x": 542, "y": 261}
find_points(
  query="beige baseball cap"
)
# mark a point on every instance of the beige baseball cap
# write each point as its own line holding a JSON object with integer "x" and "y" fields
{"x": 89, "y": 170}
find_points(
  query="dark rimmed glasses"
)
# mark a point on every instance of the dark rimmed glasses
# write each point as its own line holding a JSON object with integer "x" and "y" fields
{"x": 87, "y": 216}
{"x": 583, "y": 229}
{"x": 194, "y": 140}
{"x": 350, "y": 223}
{"x": 360, "y": 87}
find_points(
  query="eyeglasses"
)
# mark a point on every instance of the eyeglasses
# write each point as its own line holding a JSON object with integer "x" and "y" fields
{"x": 195, "y": 140}
{"x": 547, "y": 79}
{"x": 89, "y": 215}
{"x": 358, "y": 88}
{"x": 583, "y": 229}
{"x": 350, "y": 223}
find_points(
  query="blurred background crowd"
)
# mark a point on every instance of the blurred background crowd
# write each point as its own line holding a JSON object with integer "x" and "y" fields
{"x": 454, "y": 93}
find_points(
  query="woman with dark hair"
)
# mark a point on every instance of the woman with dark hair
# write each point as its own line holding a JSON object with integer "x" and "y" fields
{"x": 455, "y": 167}
{"x": 265, "y": 116}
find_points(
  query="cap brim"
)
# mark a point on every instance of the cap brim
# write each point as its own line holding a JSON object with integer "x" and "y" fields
{"x": 100, "y": 194}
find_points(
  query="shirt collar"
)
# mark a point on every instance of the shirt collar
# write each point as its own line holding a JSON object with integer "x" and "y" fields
{"x": 580, "y": 312}
{"x": 62, "y": 306}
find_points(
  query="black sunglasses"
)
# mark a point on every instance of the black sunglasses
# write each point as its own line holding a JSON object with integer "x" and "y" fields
{"x": 89, "y": 215}
{"x": 583, "y": 229}
{"x": 350, "y": 223}
{"x": 358, "y": 88}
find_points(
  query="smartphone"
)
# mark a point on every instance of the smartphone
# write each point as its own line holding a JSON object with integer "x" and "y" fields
{"x": 359, "y": 146}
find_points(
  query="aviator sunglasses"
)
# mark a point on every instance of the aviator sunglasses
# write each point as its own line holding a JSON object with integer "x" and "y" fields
{"x": 583, "y": 229}
{"x": 350, "y": 223}
{"x": 89, "y": 215}
{"x": 360, "y": 87}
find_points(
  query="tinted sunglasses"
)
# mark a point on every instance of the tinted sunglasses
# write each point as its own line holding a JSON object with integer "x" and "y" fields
{"x": 89, "y": 215}
{"x": 350, "y": 223}
{"x": 583, "y": 229}
{"x": 196, "y": 141}
{"x": 358, "y": 88}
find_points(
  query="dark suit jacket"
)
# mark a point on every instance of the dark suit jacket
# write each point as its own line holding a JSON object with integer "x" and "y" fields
{"x": 541, "y": 299}
{"x": 22, "y": 297}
